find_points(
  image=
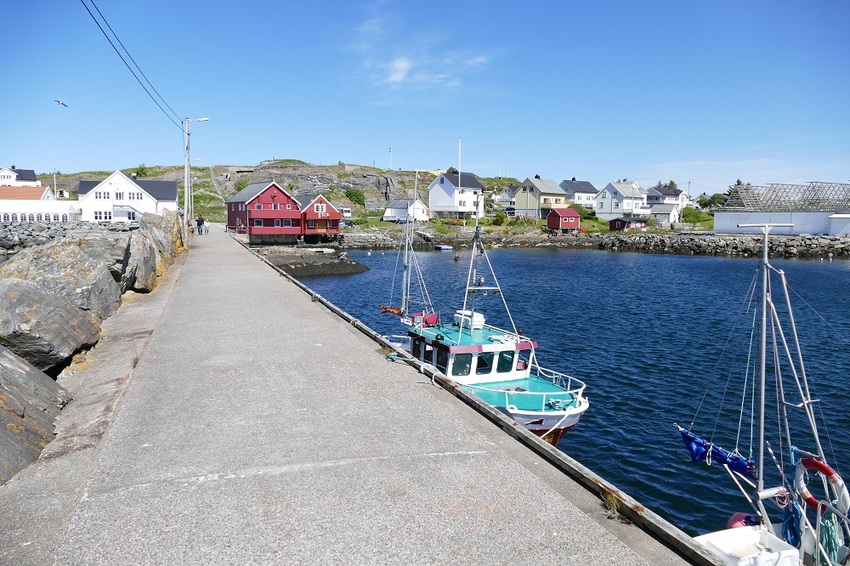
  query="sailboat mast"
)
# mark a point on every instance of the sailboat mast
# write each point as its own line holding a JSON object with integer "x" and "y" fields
{"x": 765, "y": 306}
{"x": 765, "y": 279}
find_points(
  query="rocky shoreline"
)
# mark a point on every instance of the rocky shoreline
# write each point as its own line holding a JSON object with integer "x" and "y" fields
{"x": 827, "y": 247}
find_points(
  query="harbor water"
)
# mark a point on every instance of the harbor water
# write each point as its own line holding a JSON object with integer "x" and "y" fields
{"x": 646, "y": 333}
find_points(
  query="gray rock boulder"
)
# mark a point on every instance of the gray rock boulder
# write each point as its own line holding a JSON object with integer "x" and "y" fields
{"x": 41, "y": 327}
{"x": 64, "y": 269}
{"x": 29, "y": 404}
{"x": 141, "y": 271}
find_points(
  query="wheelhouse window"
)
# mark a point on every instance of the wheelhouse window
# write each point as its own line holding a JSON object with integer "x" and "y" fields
{"x": 506, "y": 361}
{"x": 442, "y": 360}
{"x": 484, "y": 365}
{"x": 462, "y": 364}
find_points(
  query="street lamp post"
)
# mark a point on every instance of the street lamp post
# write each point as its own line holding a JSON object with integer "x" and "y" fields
{"x": 188, "y": 205}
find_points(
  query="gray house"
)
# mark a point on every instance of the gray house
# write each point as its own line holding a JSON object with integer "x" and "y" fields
{"x": 582, "y": 193}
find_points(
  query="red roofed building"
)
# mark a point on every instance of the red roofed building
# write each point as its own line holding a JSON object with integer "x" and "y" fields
{"x": 563, "y": 220}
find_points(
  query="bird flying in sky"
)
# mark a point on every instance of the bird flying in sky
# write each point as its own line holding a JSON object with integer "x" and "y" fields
{"x": 61, "y": 103}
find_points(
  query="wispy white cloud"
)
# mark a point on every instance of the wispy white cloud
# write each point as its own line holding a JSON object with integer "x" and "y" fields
{"x": 399, "y": 69}
{"x": 416, "y": 66}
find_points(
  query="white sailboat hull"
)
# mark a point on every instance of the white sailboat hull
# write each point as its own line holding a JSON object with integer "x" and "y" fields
{"x": 750, "y": 546}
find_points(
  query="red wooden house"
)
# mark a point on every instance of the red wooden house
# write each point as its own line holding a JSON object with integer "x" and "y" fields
{"x": 266, "y": 212}
{"x": 563, "y": 220}
{"x": 319, "y": 218}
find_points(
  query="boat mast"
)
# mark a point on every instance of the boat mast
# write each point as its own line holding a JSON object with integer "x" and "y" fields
{"x": 765, "y": 298}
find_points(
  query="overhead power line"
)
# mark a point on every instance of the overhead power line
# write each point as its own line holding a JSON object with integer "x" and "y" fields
{"x": 176, "y": 120}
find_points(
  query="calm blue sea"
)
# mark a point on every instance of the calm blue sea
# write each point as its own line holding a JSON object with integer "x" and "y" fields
{"x": 646, "y": 333}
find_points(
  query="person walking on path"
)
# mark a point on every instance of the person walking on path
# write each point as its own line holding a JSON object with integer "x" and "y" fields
{"x": 200, "y": 222}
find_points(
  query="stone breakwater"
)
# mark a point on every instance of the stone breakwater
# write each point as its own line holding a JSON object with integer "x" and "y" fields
{"x": 738, "y": 245}
{"x": 61, "y": 283}
{"x": 676, "y": 244}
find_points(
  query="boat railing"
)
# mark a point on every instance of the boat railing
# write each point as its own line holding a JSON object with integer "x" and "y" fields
{"x": 826, "y": 509}
{"x": 567, "y": 382}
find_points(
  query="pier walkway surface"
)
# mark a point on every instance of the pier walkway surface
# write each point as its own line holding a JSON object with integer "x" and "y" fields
{"x": 227, "y": 418}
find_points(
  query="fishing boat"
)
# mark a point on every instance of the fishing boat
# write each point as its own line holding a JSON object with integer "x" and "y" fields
{"x": 798, "y": 504}
{"x": 496, "y": 365}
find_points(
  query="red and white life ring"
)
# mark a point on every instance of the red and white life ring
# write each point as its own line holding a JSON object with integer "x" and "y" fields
{"x": 843, "y": 503}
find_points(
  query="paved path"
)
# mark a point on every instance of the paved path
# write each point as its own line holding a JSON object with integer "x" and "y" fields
{"x": 226, "y": 418}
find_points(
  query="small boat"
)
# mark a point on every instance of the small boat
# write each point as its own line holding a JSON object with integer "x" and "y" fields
{"x": 805, "y": 528}
{"x": 496, "y": 365}
{"x": 442, "y": 248}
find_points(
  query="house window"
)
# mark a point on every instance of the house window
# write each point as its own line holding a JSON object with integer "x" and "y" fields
{"x": 258, "y": 206}
{"x": 64, "y": 218}
{"x": 119, "y": 196}
{"x": 616, "y": 204}
{"x": 277, "y": 222}
{"x": 275, "y": 206}
{"x": 14, "y": 217}
{"x": 311, "y": 223}
{"x": 38, "y": 217}
{"x": 32, "y": 217}
{"x": 319, "y": 208}
{"x": 6, "y": 217}
{"x": 287, "y": 222}
{"x": 131, "y": 216}
{"x": 258, "y": 222}
{"x": 296, "y": 222}
{"x": 546, "y": 200}
{"x": 56, "y": 218}
{"x": 289, "y": 206}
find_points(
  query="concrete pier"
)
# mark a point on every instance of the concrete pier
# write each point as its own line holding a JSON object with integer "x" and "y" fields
{"x": 228, "y": 418}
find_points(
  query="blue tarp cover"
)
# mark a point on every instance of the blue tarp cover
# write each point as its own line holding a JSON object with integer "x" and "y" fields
{"x": 699, "y": 449}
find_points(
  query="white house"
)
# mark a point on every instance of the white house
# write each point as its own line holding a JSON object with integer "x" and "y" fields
{"x": 582, "y": 193}
{"x": 11, "y": 177}
{"x": 453, "y": 197}
{"x": 34, "y": 204}
{"x": 401, "y": 209}
{"x": 621, "y": 199}
{"x": 506, "y": 197}
{"x": 665, "y": 214}
{"x": 118, "y": 198}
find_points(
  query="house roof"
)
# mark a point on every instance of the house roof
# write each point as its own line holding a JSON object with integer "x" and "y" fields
{"x": 467, "y": 180}
{"x": 24, "y": 174}
{"x": 22, "y": 193}
{"x": 250, "y": 192}
{"x": 304, "y": 201}
{"x": 668, "y": 192}
{"x": 628, "y": 188}
{"x": 160, "y": 190}
{"x": 663, "y": 208}
{"x": 579, "y": 186}
{"x": 402, "y": 203}
{"x": 546, "y": 186}
{"x": 562, "y": 212}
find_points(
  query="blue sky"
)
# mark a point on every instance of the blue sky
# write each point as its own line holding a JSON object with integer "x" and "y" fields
{"x": 706, "y": 92}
